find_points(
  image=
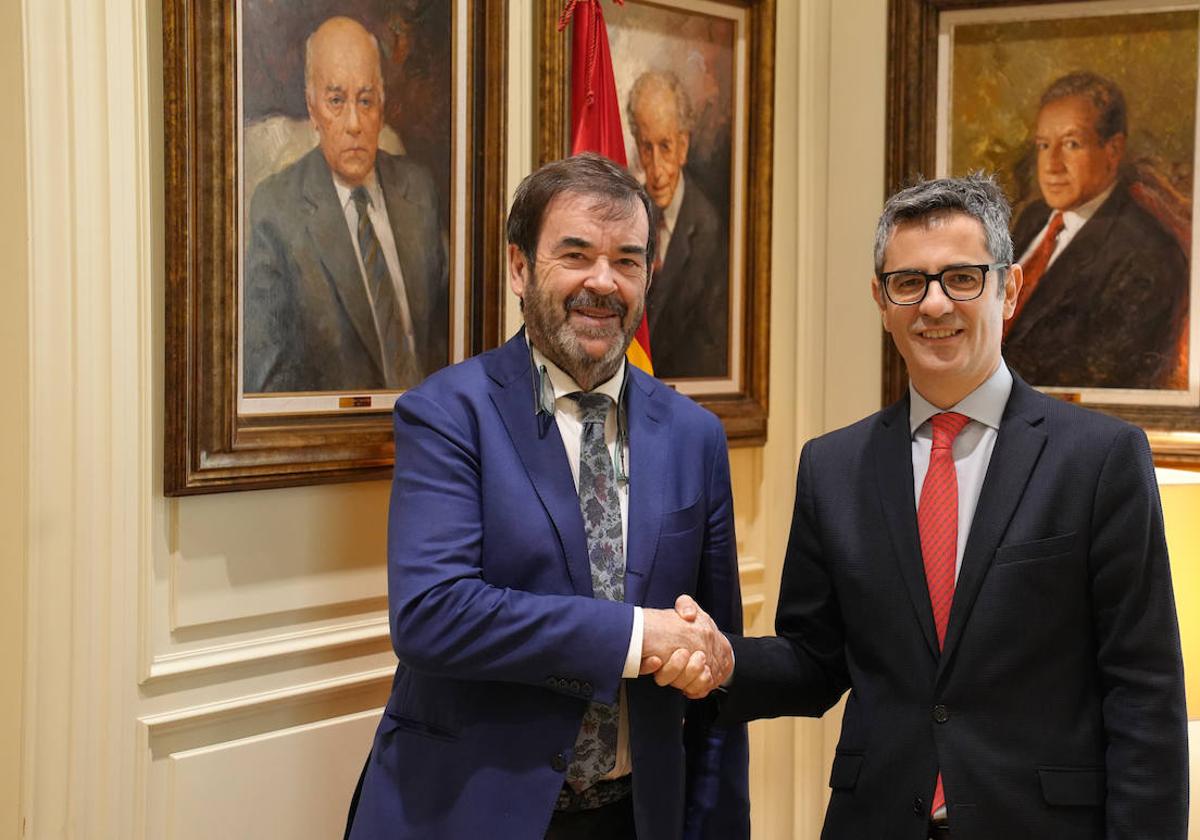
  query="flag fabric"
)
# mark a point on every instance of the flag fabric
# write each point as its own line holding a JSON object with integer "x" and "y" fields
{"x": 596, "y": 113}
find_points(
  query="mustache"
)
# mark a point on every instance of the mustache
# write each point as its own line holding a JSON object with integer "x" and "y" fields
{"x": 591, "y": 300}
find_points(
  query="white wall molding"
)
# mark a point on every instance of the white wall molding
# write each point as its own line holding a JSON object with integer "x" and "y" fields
{"x": 207, "y": 714}
{"x": 359, "y": 632}
{"x": 90, "y": 418}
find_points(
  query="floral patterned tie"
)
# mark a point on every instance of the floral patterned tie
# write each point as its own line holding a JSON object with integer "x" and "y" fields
{"x": 596, "y": 744}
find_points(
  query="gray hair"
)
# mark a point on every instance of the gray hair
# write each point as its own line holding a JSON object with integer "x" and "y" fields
{"x": 683, "y": 103}
{"x": 1103, "y": 93}
{"x": 977, "y": 195}
{"x": 308, "y": 60}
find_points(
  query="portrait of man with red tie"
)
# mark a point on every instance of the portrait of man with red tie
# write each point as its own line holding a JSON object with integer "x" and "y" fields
{"x": 1105, "y": 299}
{"x": 983, "y": 569}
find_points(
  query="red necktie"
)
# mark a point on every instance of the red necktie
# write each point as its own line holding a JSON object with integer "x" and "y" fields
{"x": 1034, "y": 267}
{"x": 937, "y": 521}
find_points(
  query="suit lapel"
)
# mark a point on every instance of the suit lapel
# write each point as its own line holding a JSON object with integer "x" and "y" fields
{"x": 680, "y": 246}
{"x": 648, "y": 424}
{"x": 1018, "y": 446}
{"x": 1068, "y": 279}
{"x": 891, "y": 443}
{"x": 536, "y": 439}
{"x": 327, "y": 227}
{"x": 407, "y": 221}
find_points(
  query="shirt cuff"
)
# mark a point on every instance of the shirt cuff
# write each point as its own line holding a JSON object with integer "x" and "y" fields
{"x": 633, "y": 659}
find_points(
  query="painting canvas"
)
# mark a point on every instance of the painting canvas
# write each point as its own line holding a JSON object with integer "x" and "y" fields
{"x": 332, "y": 233}
{"x": 346, "y": 200}
{"x": 1089, "y": 119}
{"x": 676, "y": 78}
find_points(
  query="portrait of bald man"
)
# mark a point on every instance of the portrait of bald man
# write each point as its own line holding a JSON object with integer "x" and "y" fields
{"x": 688, "y": 301}
{"x": 1106, "y": 284}
{"x": 345, "y": 278}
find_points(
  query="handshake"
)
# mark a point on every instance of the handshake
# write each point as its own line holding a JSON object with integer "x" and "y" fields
{"x": 685, "y": 649}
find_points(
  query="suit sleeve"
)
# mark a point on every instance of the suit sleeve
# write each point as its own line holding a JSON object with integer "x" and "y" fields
{"x": 718, "y": 798}
{"x": 801, "y": 670}
{"x": 268, "y": 302}
{"x": 445, "y": 617}
{"x": 1138, "y": 650}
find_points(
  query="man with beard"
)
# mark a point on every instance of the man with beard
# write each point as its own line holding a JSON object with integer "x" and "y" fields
{"x": 550, "y": 502}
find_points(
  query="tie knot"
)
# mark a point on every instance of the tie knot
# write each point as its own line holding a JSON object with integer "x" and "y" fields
{"x": 361, "y": 197}
{"x": 946, "y": 427}
{"x": 1056, "y": 225}
{"x": 593, "y": 407}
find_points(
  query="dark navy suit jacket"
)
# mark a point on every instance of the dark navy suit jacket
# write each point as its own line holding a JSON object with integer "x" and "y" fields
{"x": 1109, "y": 311}
{"x": 688, "y": 302}
{"x": 1056, "y": 708}
{"x": 500, "y": 641}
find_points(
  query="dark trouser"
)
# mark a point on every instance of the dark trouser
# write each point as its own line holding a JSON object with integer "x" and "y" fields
{"x": 613, "y": 821}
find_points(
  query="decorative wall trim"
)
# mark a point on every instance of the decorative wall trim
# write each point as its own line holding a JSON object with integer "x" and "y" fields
{"x": 210, "y": 713}
{"x": 363, "y": 631}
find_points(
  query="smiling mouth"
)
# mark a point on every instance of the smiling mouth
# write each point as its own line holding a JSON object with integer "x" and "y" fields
{"x": 594, "y": 314}
{"x": 939, "y": 334}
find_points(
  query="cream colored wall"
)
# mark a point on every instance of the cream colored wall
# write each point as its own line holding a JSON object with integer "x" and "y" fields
{"x": 14, "y": 408}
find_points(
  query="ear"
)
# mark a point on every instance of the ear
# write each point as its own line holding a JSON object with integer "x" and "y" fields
{"x": 1013, "y": 280}
{"x": 1114, "y": 149}
{"x": 877, "y": 293}
{"x": 685, "y": 140}
{"x": 518, "y": 268}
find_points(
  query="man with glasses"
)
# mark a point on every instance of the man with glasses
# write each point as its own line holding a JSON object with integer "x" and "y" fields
{"x": 984, "y": 568}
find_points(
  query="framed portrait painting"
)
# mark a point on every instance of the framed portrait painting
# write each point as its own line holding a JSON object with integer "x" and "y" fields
{"x": 693, "y": 78}
{"x": 1086, "y": 113}
{"x": 331, "y": 225}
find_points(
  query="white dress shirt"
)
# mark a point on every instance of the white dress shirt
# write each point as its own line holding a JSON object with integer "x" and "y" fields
{"x": 378, "y": 215}
{"x": 570, "y": 429}
{"x": 1073, "y": 220}
{"x": 972, "y": 449}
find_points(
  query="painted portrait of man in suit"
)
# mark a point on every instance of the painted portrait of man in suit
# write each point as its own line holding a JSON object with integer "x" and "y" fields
{"x": 689, "y": 299}
{"x": 345, "y": 278}
{"x": 676, "y": 77}
{"x": 1089, "y": 122}
{"x": 1093, "y": 253}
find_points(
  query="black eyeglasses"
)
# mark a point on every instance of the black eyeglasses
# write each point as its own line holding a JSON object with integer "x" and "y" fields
{"x": 907, "y": 287}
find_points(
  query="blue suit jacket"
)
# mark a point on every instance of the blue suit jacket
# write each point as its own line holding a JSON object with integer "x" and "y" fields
{"x": 500, "y": 641}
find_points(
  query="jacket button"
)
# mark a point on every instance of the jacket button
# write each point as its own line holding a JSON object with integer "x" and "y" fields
{"x": 574, "y": 686}
{"x": 559, "y": 763}
{"x": 551, "y": 682}
{"x": 918, "y": 806}
{"x": 586, "y": 689}
{"x": 940, "y": 714}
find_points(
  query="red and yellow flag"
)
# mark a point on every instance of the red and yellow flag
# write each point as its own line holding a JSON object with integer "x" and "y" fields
{"x": 596, "y": 113}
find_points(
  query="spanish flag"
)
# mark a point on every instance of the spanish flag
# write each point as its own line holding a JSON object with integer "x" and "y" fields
{"x": 596, "y": 113}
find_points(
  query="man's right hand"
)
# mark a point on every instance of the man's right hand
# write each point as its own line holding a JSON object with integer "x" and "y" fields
{"x": 685, "y": 649}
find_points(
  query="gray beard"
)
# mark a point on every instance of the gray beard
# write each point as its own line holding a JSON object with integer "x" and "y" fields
{"x": 552, "y": 334}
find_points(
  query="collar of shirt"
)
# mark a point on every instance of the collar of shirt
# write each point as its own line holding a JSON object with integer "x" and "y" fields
{"x": 563, "y": 384}
{"x": 1073, "y": 220}
{"x": 345, "y": 194}
{"x": 984, "y": 405}
{"x": 671, "y": 212}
